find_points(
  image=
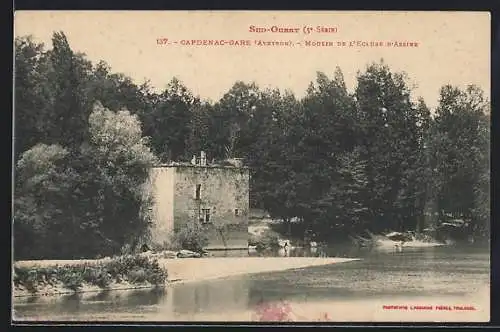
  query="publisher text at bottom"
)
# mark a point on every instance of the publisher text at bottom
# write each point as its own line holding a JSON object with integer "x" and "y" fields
{"x": 430, "y": 307}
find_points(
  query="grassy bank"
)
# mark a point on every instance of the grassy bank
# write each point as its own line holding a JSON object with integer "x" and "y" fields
{"x": 116, "y": 273}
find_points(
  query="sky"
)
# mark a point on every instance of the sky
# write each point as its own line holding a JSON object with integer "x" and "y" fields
{"x": 453, "y": 47}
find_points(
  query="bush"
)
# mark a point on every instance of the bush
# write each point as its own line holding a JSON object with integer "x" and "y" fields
{"x": 268, "y": 240}
{"x": 129, "y": 267}
{"x": 72, "y": 280}
{"x": 137, "y": 276}
{"x": 98, "y": 276}
{"x": 167, "y": 245}
{"x": 28, "y": 278}
{"x": 190, "y": 236}
{"x": 134, "y": 269}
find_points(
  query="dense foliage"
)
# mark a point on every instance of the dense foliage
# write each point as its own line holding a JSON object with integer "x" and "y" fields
{"x": 338, "y": 162}
{"x": 80, "y": 167}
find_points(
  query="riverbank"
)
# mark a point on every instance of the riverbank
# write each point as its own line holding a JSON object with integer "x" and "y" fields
{"x": 199, "y": 269}
{"x": 179, "y": 271}
{"x": 54, "y": 277}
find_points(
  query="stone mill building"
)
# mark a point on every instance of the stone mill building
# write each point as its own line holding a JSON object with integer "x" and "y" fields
{"x": 214, "y": 195}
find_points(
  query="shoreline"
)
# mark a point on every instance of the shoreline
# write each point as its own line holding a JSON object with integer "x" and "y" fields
{"x": 60, "y": 291}
{"x": 185, "y": 270}
{"x": 201, "y": 269}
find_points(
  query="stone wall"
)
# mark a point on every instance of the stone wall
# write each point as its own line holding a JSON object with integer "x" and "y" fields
{"x": 224, "y": 191}
{"x": 161, "y": 187}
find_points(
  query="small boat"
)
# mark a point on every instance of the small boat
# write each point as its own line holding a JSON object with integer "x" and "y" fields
{"x": 188, "y": 254}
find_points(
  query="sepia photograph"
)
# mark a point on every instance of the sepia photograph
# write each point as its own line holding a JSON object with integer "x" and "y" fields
{"x": 251, "y": 166}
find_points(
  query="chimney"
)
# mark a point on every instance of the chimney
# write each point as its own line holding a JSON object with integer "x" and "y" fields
{"x": 203, "y": 159}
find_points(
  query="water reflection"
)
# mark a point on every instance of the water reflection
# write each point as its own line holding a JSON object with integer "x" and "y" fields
{"x": 432, "y": 273}
{"x": 212, "y": 296}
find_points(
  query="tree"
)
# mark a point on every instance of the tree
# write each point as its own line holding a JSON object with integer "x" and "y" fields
{"x": 229, "y": 130}
{"x": 50, "y": 100}
{"x": 343, "y": 208}
{"x": 269, "y": 154}
{"x": 43, "y": 183}
{"x": 199, "y": 130}
{"x": 29, "y": 97}
{"x": 87, "y": 203}
{"x": 460, "y": 153}
{"x": 114, "y": 167}
{"x": 169, "y": 122}
{"x": 482, "y": 202}
{"x": 422, "y": 175}
{"x": 66, "y": 77}
{"x": 391, "y": 136}
{"x": 324, "y": 131}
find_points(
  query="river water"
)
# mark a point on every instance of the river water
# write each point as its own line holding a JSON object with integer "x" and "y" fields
{"x": 440, "y": 284}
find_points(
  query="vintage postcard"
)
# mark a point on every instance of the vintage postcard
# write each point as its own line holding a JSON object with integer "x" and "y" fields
{"x": 251, "y": 166}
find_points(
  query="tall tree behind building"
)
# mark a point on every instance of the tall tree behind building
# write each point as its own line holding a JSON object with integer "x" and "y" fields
{"x": 168, "y": 123}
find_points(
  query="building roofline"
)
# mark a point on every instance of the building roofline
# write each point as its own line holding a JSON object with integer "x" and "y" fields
{"x": 198, "y": 166}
